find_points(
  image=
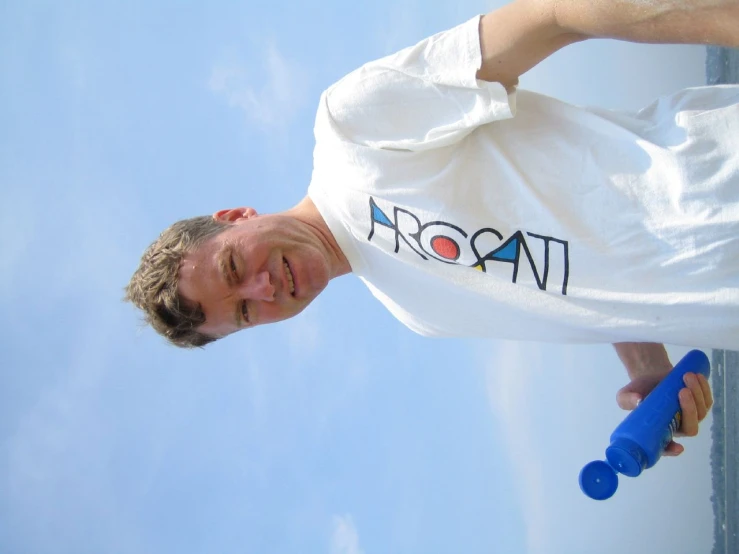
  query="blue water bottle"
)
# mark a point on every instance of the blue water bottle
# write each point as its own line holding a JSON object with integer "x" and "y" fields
{"x": 638, "y": 442}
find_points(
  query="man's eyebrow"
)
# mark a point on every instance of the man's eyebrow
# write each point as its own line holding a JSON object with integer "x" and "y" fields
{"x": 223, "y": 260}
{"x": 238, "y": 318}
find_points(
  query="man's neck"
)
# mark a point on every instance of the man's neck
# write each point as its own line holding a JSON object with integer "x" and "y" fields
{"x": 306, "y": 212}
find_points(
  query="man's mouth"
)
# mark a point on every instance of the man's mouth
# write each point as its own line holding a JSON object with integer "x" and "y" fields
{"x": 290, "y": 280}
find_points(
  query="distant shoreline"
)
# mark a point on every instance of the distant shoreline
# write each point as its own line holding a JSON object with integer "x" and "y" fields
{"x": 722, "y": 67}
{"x": 725, "y": 451}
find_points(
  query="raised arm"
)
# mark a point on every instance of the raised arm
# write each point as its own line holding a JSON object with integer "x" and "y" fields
{"x": 516, "y": 37}
{"x": 653, "y": 21}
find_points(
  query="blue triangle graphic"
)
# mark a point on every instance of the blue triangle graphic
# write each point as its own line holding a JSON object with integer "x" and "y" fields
{"x": 508, "y": 252}
{"x": 379, "y": 216}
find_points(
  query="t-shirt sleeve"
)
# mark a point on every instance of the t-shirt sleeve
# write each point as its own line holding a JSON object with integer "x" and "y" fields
{"x": 425, "y": 96}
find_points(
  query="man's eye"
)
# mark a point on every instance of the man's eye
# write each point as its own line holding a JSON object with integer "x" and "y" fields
{"x": 233, "y": 264}
{"x": 245, "y": 311}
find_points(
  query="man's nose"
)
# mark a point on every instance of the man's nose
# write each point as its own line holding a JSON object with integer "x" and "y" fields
{"x": 258, "y": 287}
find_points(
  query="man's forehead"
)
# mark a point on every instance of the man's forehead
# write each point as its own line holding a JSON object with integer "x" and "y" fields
{"x": 196, "y": 266}
{"x": 201, "y": 256}
{"x": 200, "y": 282}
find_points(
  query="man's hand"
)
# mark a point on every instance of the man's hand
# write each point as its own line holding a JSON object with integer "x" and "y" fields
{"x": 695, "y": 401}
{"x": 647, "y": 364}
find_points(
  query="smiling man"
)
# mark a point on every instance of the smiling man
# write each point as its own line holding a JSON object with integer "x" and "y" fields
{"x": 258, "y": 269}
{"x": 472, "y": 208}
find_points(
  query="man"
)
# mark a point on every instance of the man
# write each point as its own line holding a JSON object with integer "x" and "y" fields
{"x": 471, "y": 208}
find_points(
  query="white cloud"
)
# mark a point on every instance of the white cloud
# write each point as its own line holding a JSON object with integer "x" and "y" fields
{"x": 509, "y": 379}
{"x": 402, "y": 23}
{"x": 408, "y": 21}
{"x": 305, "y": 332}
{"x": 18, "y": 230}
{"x": 269, "y": 93}
{"x": 345, "y": 539}
{"x": 59, "y": 454}
{"x": 257, "y": 390}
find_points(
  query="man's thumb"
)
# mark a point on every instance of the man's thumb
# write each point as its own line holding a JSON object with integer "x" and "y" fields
{"x": 628, "y": 400}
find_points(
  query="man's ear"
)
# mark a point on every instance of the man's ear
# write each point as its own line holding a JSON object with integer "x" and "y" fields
{"x": 234, "y": 214}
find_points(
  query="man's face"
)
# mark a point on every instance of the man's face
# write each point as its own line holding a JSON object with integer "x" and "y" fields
{"x": 261, "y": 269}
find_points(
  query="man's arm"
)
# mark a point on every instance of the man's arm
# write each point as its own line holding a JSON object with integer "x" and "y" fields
{"x": 656, "y": 21}
{"x": 643, "y": 359}
{"x": 518, "y": 36}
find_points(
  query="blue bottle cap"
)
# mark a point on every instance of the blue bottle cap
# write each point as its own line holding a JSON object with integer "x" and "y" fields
{"x": 626, "y": 457}
{"x": 598, "y": 480}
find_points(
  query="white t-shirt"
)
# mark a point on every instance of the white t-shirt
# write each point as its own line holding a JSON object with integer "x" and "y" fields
{"x": 559, "y": 224}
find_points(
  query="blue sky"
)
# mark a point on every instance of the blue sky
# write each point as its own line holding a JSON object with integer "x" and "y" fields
{"x": 339, "y": 432}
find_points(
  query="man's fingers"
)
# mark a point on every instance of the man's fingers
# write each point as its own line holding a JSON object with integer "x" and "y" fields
{"x": 673, "y": 449}
{"x": 693, "y": 383}
{"x": 628, "y": 400}
{"x": 707, "y": 394}
{"x": 689, "y": 424}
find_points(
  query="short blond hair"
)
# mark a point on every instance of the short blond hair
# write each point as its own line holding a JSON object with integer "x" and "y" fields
{"x": 153, "y": 286}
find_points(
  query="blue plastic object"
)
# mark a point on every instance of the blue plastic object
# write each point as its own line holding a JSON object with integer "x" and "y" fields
{"x": 638, "y": 442}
